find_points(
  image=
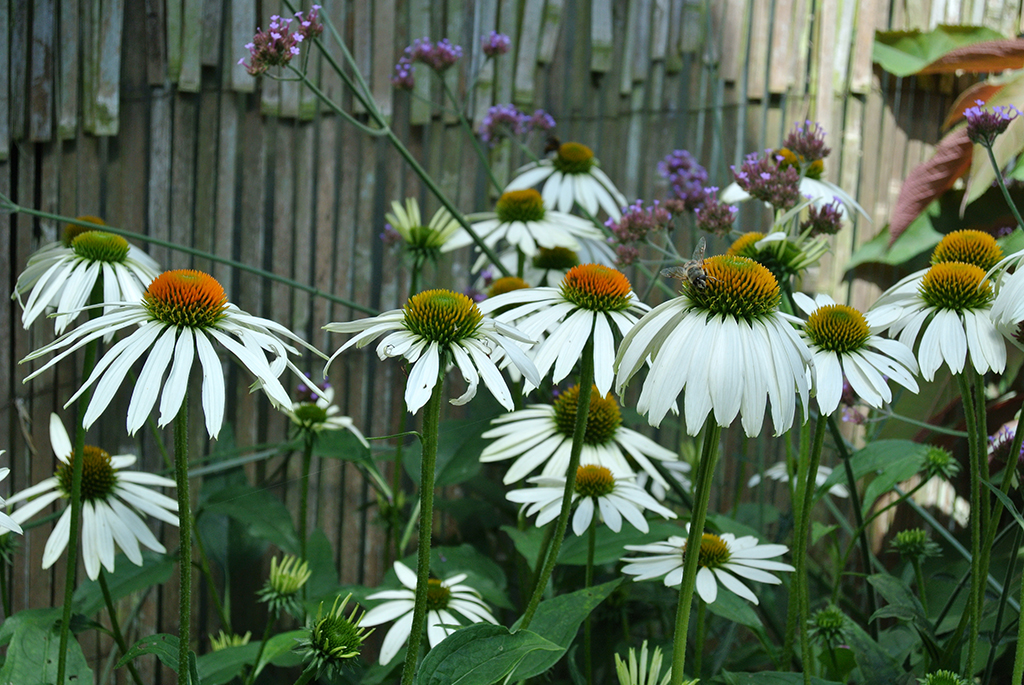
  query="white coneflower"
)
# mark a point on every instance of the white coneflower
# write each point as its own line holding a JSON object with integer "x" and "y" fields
{"x": 435, "y": 330}
{"x": 596, "y": 490}
{"x": 183, "y": 314}
{"x": 572, "y": 176}
{"x": 112, "y": 501}
{"x": 424, "y": 239}
{"x": 443, "y": 598}
{"x": 63, "y": 274}
{"x": 6, "y": 522}
{"x": 723, "y": 559}
{"x": 725, "y": 346}
{"x": 320, "y": 413}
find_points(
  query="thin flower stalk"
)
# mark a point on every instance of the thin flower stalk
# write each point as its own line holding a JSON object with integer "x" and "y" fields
{"x": 587, "y": 582}
{"x": 307, "y": 459}
{"x": 77, "y": 462}
{"x": 184, "y": 540}
{"x": 431, "y": 420}
{"x": 1018, "y": 655}
{"x": 701, "y": 497}
{"x": 272, "y": 617}
{"x": 115, "y": 627}
{"x": 579, "y": 431}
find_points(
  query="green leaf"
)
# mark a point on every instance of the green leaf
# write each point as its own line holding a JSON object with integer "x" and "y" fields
{"x": 919, "y": 237}
{"x": 892, "y": 460}
{"x": 164, "y": 646}
{"x": 482, "y": 573}
{"x": 280, "y": 650}
{"x": 265, "y": 516}
{"x": 342, "y": 445}
{"x": 127, "y": 578}
{"x": 217, "y": 668}
{"x": 1006, "y": 501}
{"x": 874, "y": 662}
{"x": 480, "y": 654}
{"x": 732, "y": 608}
{"x": 323, "y": 573}
{"x": 903, "y": 53}
{"x": 770, "y": 678}
{"x": 558, "y": 620}
{"x": 844, "y": 663}
{"x": 458, "y": 452}
{"x": 818, "y": 531}
{"x": 896, "y": 592}
{"x": 34, "y": 649}
{"x": 609, "y": 545}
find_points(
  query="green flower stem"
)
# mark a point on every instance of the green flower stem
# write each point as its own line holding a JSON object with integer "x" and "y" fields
{"x": 306, "y": 676}
{"x": 271, "y": 620}
{"x": 919, "y": 576}
{"x": 545, "y": 545}
{"x": 307, "y": 459}
{"x": 800, "y": 609}
{"x": 588, "y": 653}
{"x": 972, "y": 613}
{"x": 1018, "y": 655}
{"x": 1006, "y": 193}
{"x": 470, "y": 134}
{"x": 431, "y": 420}
{"x": 1004, "y": 595}
{"x": 698, "y": 641}
{"x": 858, "y": 517}
{"x": 184, "y": 539}
{"x": 76, "y": 499}
{"x": 579, "y": 430}
{"x": 698, "y": 515}
{"x": 3, "y": 587}
{"x": 7, "y": 204}
{"x": 204, "y": 567}
{"x": 115, "y": 627}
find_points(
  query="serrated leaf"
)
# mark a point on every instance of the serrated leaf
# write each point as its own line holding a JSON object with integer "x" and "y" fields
{"x": 929, "y": 179}
{"x": 480, "y": 654}
{"x": 34, "y": 648}
{"x": 903, "y": 53}
{"x": 265, "y": 516}
{"x": 558, "y": 620}
{"x": 127, "y": 578}
{"x": 162, "y": 645}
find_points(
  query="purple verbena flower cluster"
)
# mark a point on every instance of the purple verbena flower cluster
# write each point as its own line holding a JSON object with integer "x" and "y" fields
{"x": 984, "y": 125}
{"x": 686, "y": 177}
{"x": 404, "y": 76}
{"x": 807, "y": 141}
{"x": 999, "y": 446}
{"x": 438, "y": 56}
{"x": 765, "y": 178}
{"x": 714, "y": 216}
{"x": 390, "y": 236}
{"x": 307, "y": 393}
{"x": 825, "y": 219}
{"x": 496, "y": 44}
{"x": 276, "y": 46}
{"x": 636, "y": 224}
{"x": 502, "y": 121}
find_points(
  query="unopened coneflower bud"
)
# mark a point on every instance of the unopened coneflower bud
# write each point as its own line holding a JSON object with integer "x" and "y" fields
{"x": 286, "y": 579}
{"x": 914, "y": 543}
{"x": 333, "y": 640}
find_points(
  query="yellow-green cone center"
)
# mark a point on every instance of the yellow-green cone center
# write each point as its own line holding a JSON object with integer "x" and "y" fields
{"x": 956, "y": 286}
{"x": 596, "y": 287}
{"x": 594, "y": 481}
{"x": 100, "y": 246}
{"x": 970, "y": 247}
{"x": 603, "y": 419}
{"x": 573, "y": 158}
{"x": 837, "y": 328}
{"x": 520, "y": 205}
{"x": 438, "y": 595}
{"x": 72, "y": 231}
{"x": 506, "y": 284}
{"x": 442, "y": 316}
{"x": 713, "y": 551}
{"x": 744, "y": 246}
{"x": 98, "y": 476}
{"x": 736, "y": 286}
{"x": 310, "y": 414}
{"x": 561, "y": 258}
{"x": 185, "y": 298}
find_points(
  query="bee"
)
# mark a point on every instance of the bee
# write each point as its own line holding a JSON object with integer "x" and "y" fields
{"x": 693, "y": 270}
{"x": 552, "y": 144}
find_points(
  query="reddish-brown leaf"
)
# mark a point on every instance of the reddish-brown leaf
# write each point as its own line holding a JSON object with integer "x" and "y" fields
{"x": 979, "y": 91}
{"x": 992, "y": 55}
{"x": 931, "y": 178}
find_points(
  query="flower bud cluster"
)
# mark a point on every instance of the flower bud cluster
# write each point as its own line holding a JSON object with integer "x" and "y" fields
{"x": 807, "y": 141}
{"x": 824, "y": 219}
{"x": 502, "y": 121}
{"x": 276, "y": 46}
{"x": 496, "y": 44}
{"x": 713, "y": 215}
{"x": 438, "y": 56}
{"x": 767, "y": 179}
{"x": 686, "y": 178}
{"x": 634, "y": 226}
{"x": 984, "y": 125}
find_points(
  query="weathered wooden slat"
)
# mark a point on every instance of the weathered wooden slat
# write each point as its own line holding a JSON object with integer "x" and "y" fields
{"x": 159, "y": 209}
{"x": 826, "y": 54}
{"x": 384, "y": 55}
{"x": 601, "y": 40}
{"x": 156, "y": 42}
{"x": 456, "y": 29}
{"x": 68, "y": 66}
{"x": 41, "y": 74}
{"x": 243, "y": 21}
{"x": 633, "y": 38}
{"x": 504, "y": 68}
{"x": 527, "y": 53}
{"x": 20, "y": 30}
{"x": 173, "y": 17}
{"x": 782, "y": 50}
{"x": 552, "y": 26}
{"x": 419, "y": 27}
{"x": 758, "y": 14}
{"x": 6, "y": 101}
{"x": 191, "y": 45}
{"x": 108, "y": 74}
{"x": 484, "y": 21}
{"x": 183, "y": 178}
{"x": 213, "y": 16}
{"x": 860, "y": 67}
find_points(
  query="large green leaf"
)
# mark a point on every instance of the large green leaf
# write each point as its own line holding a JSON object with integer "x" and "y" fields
{"x": 164, "y": 646}
{"x": 265, "y": 516}
{"x": 558, "y": 620}
{"x": 732, "y": 608}
{"x": 33, "y": 647}
{"x": 127, "y": 578}
{"x": 342, "y": 445}
{"x": 903, "y": 53}
{"x": 875, "y": 663}
{"x": 480, "y": 654}
{"x": 891, "y": 460}
{"x": 458, "y": 452}
{"x": 217, "y": 668}
{"x": 919, "y": 237}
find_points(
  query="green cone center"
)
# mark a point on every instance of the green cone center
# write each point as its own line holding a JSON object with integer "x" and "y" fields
{"x": 98, "y": 475}
{"x": 837, "y": 328}
{"x": 603, "y": 419}
{"x": 100, "y": 246}
{"x": 442, "y": 316}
